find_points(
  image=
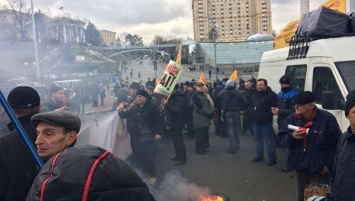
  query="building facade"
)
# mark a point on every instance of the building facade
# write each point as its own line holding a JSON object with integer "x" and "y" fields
{"x": 304, "y": 7}
{"x": 108, "y": 38}
{"x": 230, "y": 20}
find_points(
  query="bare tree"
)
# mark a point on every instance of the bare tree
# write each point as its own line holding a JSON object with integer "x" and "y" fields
{"x": 21, "y": 17}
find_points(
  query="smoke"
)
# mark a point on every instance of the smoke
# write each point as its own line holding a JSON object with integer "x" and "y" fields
{"x": 176, "y": 188}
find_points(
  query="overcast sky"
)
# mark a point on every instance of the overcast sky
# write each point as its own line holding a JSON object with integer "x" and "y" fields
{"x": 151, "y": 17}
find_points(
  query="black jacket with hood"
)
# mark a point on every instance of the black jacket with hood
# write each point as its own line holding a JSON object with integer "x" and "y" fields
{"x": 88, "y": 173}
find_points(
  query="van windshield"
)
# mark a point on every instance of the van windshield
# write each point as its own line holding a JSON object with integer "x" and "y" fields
{"x": 347, "y": 72}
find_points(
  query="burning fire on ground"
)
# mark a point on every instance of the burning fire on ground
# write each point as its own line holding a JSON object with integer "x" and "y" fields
{"x": 211, "y": 198}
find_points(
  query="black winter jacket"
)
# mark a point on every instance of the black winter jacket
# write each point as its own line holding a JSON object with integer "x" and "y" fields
{"x": 174, "y": 112}
{"x": 232, "y": 100}
{"x": 318, "y": 151}
{"x": 17, "y": 166}
{"x": 343, "y": 181}
{"x": 88, "y": 173}
{"x": 144, "y": 121}
{"x": 262, "y": 104}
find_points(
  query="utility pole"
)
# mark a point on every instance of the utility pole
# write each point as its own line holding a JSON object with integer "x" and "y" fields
{"x": 38, "y": 69}
{"x": 214, "y": 37}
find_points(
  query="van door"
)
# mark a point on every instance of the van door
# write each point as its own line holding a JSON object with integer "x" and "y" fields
{"x": 324, "y": 79}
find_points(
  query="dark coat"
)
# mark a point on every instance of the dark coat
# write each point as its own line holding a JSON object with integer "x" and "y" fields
{"x": 144, "y": 121}
{"x": 343, "y": 181}
{"x": 67, "y": 175}
{"x": 262, "y": 104}
{"x": 232, "y": 100}
{"x": 174, "y": 111}
{"x": 202, "y": 110}
{"x": 321, "y": 142}
{"x": 17, "y": 166}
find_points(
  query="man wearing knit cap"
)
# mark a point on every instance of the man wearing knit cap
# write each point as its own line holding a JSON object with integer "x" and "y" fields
{"x": 17, "y": 167}
{"x": 285, "y": 107}
{"x": 56, "y": 131}
{"x": 145, "y": 129}
{"x": 232, "y": 99}
{"x": 312, "y": 147}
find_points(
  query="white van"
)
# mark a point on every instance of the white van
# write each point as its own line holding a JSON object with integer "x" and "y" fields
{"x": 325, "y": 66}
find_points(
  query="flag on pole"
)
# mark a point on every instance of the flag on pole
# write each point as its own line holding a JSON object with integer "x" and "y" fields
{"x": 178, "y": 58}
{"x": 234, "y": 75}
{"x": 202, "y": 78}
{"x": 338, "y": 5}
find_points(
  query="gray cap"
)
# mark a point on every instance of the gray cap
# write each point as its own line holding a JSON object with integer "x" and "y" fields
{"x": 230, "y": 83}
{"x": 59, "y": 119}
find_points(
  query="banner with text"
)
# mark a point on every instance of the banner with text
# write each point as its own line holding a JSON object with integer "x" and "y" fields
{"x": 170, "y": 78}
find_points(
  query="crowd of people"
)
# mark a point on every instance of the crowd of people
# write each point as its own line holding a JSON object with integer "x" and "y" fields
{"x": 317, "y": 152}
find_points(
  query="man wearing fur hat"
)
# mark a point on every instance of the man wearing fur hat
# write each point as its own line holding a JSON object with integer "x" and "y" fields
{"x": 56, "y": 131}
{"x": 17, "y": 167}
{"x": 312, "y": 147}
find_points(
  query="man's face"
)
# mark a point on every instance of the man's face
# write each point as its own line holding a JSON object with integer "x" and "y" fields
{"x": 150, "y": 92}
{"x": 140, "y": 100}
{"x": 199, "y": 88}
{"x": 304, "y": 108}
{"x": 248, "y": 85}
{"x": 190, "y": 89}
{"x": 59, "y": 95}
{"x": 260, "y": 86}
{"x": 284, "y": 85}
{"x": 132, "y": 91}
{"x": 351, "y": 116}
{"x": 52, "y": 139}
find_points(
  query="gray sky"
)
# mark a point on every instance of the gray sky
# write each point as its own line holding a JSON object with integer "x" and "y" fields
{"x": 151, "y": 17}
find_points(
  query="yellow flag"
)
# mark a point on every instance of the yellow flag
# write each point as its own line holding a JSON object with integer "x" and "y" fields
{"x": 178, "y": 57}
{"x": 338, "y": 5}
{"x": 234, "y": 75}
{"x": 283, "y": 38}
{"x": 202, "y": 78}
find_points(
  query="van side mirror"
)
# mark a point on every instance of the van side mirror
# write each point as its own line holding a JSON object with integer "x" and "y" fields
{"x": 328, "y": 100}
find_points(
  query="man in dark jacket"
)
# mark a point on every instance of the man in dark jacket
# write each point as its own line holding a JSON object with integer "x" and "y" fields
{"x": 174, "y": 113}
{"x": 343, "y": 182}
{"x": 17, "y": 166}
{"x": 247, "y": 111}
{"x": 232, "y": 100}
{"x": 69, "y": 176}
{"x": 263, "y": 101}
{"x": 57, "y": 100}
{"x": 284, "y": 108}
{"x": 144, "y": 115}
{"x": 312, "y": 147}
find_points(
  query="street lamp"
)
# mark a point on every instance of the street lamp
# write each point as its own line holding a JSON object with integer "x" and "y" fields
{"x": 214, "y": 38}
{"x": 38, "y": 70}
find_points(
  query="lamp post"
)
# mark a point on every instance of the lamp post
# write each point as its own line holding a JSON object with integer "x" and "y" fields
{"x": 214, "y": 37}
{"x": 38, "y": 70}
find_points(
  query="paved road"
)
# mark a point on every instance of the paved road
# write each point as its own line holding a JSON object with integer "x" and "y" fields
{"x": 232, "y": 174}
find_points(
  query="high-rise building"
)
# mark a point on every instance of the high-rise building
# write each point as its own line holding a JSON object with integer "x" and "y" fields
{"x": 304, "y": 7}
{"x": 230, "y": 20}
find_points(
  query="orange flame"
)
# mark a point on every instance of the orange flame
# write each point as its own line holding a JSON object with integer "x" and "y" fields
{"x": 210, "y": 198}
